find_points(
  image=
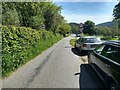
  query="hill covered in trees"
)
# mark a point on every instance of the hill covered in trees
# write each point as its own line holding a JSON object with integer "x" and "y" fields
{"x": 74, "y": 27}
{"x": 107, "y": 29}
{"x": 108, "y": 24}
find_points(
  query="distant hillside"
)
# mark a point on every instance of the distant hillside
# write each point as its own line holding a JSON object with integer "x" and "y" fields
{"x": 74, "y": 27}
{"x": 108, "y": 24}
{"x": 73, "y": 23}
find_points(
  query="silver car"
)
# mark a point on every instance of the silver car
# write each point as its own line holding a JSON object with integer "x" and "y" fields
{"x": 87, "y": 43}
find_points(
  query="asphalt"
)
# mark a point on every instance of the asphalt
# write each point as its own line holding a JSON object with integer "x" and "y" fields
{"x": 61, "y": 66}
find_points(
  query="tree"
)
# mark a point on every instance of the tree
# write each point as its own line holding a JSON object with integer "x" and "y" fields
{"x": 10, "y": 17}
{"x": 89, "y": 28}
{"x": 36, "y": 22}
{"x": 34, "y": 15}
{"x": 53, "y": 18}
{"x": 65, "y": 29}
{"x": 74, "y": 28}
{"x": 116, "y": 11}
{"x": 116, "y": 14}
{"x": 107, "y": 31}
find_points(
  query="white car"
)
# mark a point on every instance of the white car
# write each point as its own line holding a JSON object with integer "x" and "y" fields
{"x": 87, "y": 43}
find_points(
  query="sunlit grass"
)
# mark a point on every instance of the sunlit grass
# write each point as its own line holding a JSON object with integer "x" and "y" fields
{"x": 72, "y": 42}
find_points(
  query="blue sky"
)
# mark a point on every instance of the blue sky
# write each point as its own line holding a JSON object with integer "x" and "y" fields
{"x": 97, "y": 12}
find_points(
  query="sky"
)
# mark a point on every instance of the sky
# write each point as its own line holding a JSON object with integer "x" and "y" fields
{"x": 81, "y": 11}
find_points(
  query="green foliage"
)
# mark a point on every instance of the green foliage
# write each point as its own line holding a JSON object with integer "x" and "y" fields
{"x": 89, "y": 28}
{"x": 53, "y": 18}
{"x": 116, "y": 11}
{"x": 116, "y": 14}
{"x": 74, "y": 28}
{"x": 72, "y": 42}
{"x": 20, "y": 44}
{"x": 36, "y": 22}
{"x": 34, "y": 15}
{"x": 65, "y": 29}
{"x": 107, "y": 31}
{"x": 106, "y": 38}
{"x": 10, "y": 18}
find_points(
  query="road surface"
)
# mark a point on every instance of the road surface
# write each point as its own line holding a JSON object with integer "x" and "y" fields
{"x": 61, "y": 66}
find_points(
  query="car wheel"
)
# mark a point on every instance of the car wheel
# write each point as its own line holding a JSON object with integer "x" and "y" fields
{"x": 113, "y": 86}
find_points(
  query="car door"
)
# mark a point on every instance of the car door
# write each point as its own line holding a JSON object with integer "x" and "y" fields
{"x": 95, "y": 57}
{"x": 104, "y": 61}
{"x": 101, "y": 60}
{"x": 113, "y": 61}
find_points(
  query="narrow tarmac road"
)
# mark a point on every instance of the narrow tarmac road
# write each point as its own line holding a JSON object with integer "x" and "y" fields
{"x": 57, "y": 67}
{"x": 54, "y": 68}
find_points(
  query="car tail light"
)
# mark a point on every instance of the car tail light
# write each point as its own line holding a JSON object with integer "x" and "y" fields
{"x": 84, "y": 45}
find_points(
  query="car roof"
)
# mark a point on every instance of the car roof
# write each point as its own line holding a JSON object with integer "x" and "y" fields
{"x": 113, "y": 42}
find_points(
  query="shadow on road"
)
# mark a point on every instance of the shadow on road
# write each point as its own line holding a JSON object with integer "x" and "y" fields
{"x": 77, "y": 52}
{"x": 68, "y": 47}
{"x": 89, "y": 79}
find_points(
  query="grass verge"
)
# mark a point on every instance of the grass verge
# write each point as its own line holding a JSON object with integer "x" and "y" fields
{"x": 72, "y": 42}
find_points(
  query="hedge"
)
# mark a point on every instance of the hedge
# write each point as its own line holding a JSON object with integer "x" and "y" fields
{"x": 21, "y": 44}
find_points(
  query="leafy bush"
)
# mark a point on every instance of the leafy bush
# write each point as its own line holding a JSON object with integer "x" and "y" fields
{"x": 106, "y": 38}
{"x": 10, "y": 17}
{"x": 72, "y": 42}
{"x": 36, "y": 22}
{"x": 20, "y": 44}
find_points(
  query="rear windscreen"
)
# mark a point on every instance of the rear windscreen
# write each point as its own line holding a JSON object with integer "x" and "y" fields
{"x": 92, "y": 40}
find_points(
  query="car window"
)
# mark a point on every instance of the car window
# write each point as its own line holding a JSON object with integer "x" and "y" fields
{"x": 99, "y": 49}
{"x": 92, "y": 40}
{"x": 111, "y": 52}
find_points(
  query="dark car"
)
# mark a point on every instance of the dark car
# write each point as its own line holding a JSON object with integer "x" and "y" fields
{"x": 105, "y": 59}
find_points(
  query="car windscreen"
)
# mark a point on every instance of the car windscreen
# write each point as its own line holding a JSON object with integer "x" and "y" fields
{"x": 92, "y": 40}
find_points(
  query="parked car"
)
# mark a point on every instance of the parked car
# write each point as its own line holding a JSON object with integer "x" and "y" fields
{"x": 78, "y": 35}
{"x": 105, "y": 59}
{"x": 87, "y": 43}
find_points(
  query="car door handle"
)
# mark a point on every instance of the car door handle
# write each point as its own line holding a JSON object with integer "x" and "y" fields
{"x": 108, "y": 65}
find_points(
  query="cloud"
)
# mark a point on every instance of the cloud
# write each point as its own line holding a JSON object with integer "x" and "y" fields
{"x": 83, "y": 18}
{"x": 81, "y": 12}
{"x": 85, "y": 1}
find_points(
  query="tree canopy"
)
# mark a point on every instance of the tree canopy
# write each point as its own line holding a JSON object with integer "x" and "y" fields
{"x": 36, "y": 15}
{"x": 116, "y": 11}
{"x": 89, "y": 28}
{"x": 74, "y": 28}
{"x": 116, "y": 14}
